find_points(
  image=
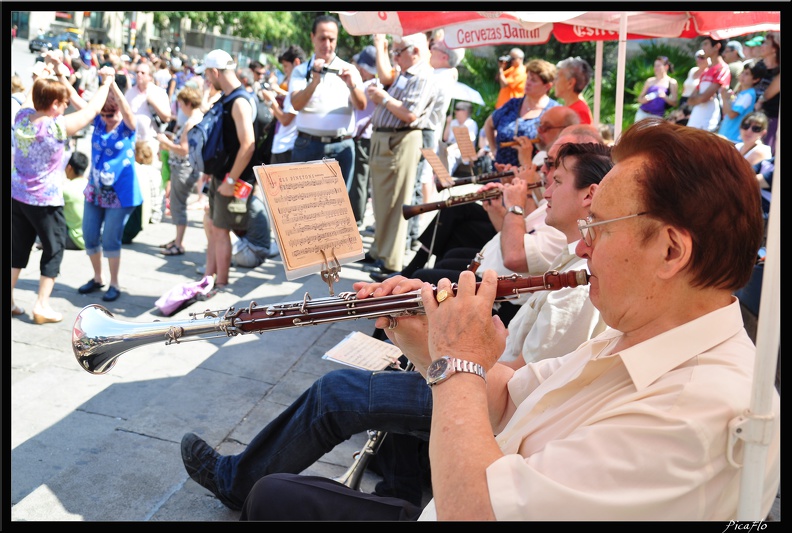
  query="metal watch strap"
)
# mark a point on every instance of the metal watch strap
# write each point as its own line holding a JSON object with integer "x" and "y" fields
{"x": 461, "y": 365}
{"x": 453, "y": 366}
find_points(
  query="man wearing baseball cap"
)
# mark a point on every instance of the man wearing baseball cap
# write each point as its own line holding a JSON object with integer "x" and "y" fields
{"x": 734, "y": 56}
{"x": 227, "y": 213}
{"x": 750, "y": 46}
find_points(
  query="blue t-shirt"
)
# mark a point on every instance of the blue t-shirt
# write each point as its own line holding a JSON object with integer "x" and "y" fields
{"x": 743, "y": 104}
{"x": 113, "y": 182}
{"x": 508, "y": 125}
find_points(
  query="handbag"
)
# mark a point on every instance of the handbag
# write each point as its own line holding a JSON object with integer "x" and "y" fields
{"x": 184, "y": 294}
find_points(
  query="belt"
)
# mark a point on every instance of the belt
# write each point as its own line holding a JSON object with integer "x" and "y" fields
{"x": 392, "y": 130}
{"x": 324, "y": 139}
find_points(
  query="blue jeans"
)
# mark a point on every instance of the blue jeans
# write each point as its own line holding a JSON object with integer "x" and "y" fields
{"x": 109, "y": 238}
{"x": 343, "y": 151}
{"x": 338, "y": 405}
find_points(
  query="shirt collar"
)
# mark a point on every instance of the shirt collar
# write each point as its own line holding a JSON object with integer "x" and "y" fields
{"x": 652, "y": 358}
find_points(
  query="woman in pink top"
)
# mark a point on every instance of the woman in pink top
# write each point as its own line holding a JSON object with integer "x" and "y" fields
{"x": 40, "y": 134}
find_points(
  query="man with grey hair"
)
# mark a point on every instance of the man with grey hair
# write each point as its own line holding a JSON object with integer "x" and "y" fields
{"x": 402, "y": 112}
{"x": 574, "y": 75}
{"x": 444, "y": 61}
{"x": 511, "y": 76}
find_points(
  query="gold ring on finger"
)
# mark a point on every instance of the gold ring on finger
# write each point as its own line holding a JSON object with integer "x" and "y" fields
{"x": 441, "y": 296}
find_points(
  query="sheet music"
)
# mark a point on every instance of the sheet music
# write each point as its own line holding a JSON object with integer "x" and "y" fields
{"x": 310, "y": 213}
{"x": 363, "y": 351}
{"x": 466, "y": 148}
{"x": 437, "y": 166}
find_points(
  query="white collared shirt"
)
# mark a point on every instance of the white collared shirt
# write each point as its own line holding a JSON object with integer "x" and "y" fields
{"x": 641, "y": 436}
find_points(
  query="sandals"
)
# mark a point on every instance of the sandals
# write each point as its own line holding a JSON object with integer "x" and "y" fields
{"x": 169, "y": 245}
{"x": 17, "y": 311}
{"x": 173, "y": 250}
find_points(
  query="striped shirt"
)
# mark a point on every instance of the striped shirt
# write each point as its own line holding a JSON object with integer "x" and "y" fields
{"x": 416, "y": 90}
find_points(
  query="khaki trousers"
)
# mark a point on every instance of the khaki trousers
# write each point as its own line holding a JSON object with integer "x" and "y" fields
{"x": 393, "y": 165}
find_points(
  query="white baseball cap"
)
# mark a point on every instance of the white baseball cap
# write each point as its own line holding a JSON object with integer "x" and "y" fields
{"x": 219, "y": 59}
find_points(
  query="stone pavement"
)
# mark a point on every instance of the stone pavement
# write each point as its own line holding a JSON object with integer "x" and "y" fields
{"x": 106, "y": 447}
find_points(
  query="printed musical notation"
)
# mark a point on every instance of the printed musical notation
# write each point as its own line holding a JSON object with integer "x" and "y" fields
{"x": 310, "y": 215}
{"x": 363, "y": 351}
{"x": 437, "y": 166}
{"x": 466, "y": 148}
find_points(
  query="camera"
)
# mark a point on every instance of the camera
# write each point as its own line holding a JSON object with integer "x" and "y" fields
{"x": 505, "y": 59}
{"x": 326, "y": 69}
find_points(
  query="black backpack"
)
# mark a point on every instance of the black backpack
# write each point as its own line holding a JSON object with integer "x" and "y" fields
{"x": 205, "y": 139}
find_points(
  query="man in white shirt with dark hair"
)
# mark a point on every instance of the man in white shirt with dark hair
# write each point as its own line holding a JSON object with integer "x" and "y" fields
{"x": 326, "y": 91}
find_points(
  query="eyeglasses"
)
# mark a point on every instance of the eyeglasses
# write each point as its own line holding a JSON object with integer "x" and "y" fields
{"x": 701, "y": 57}
{"x": 585, "y": 226}
{"x": 397, "y": 52}
{"x": 543, "y": 128}
{"x": 754, "y": 127}
{"x": 107, "y": 115}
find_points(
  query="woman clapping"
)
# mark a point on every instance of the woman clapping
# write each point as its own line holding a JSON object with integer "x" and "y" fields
{"x": 113, "y": 191}
{"x": 40, "y": 136}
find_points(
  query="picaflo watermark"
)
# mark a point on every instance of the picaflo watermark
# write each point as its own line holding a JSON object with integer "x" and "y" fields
{"x": 745, "y": 526}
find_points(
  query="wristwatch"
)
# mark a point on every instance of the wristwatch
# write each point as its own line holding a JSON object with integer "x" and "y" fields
{"x": 445, "y": 367}
{"x": 517, "y": 210}
{"x": 228, "y": 179}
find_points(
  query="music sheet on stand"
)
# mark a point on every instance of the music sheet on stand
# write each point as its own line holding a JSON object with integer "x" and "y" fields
{"x": 310, "y": 215}
{"x": 466, "y": 148}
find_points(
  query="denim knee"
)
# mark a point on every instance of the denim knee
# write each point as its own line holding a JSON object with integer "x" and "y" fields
{"x": 114, "y": 221}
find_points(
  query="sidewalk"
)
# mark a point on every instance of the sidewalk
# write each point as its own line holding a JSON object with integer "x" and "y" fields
{"x": 106, "y": 447}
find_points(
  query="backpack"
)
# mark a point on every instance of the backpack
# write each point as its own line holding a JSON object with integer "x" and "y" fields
{"x": 205, "y": 139}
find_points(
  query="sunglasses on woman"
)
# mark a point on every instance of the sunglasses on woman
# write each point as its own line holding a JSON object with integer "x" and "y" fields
{"x": 754, "y": 127}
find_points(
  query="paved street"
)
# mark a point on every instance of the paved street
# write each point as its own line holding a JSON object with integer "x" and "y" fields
{"x": 106, "y": 447}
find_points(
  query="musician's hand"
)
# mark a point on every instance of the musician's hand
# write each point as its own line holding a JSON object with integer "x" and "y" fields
{"x": 410, "y": 333}
{"x": 515, "y": 193}
{"x": 504, "y": 167}
{"x": 525, "y": 150}
{"x": 463, "y": 325}
{"x": 494, "y": 207}
{"x": 528, "y": 172}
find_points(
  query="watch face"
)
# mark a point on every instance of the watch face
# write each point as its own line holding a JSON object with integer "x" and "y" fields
{"x": 437, "y": 369}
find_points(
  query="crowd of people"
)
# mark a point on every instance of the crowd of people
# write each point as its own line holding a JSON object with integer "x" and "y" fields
{"x": 542, "y": 408}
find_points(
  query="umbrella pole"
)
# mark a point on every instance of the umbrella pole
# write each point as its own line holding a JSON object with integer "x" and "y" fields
{"x": 758, "y": 423}
{"x": 617, "y": 126}
{"x": 598, "y": 82}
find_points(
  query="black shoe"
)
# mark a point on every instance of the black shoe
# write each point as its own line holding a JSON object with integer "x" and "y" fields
{"x": 200, "y": 461}
{"x": 89, "y": 287}
{"x": 373, "y": 267}
{"x": 382, "y": 274}
{"x": 367, "y": 259}
{"x": 111, "y": 295}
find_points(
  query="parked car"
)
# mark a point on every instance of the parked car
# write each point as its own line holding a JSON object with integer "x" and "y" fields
{"x": 53, "y": 42}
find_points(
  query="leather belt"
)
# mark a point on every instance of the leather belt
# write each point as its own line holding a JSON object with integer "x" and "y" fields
{"x": 324, "y": 139}
{"x": 392, "y": 130}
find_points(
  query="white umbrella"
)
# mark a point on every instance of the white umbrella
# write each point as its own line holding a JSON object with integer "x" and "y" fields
{"x": 460, "y": 91}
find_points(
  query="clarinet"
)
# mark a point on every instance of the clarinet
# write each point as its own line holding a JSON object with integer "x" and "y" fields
{"x": 98, "y": 339}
